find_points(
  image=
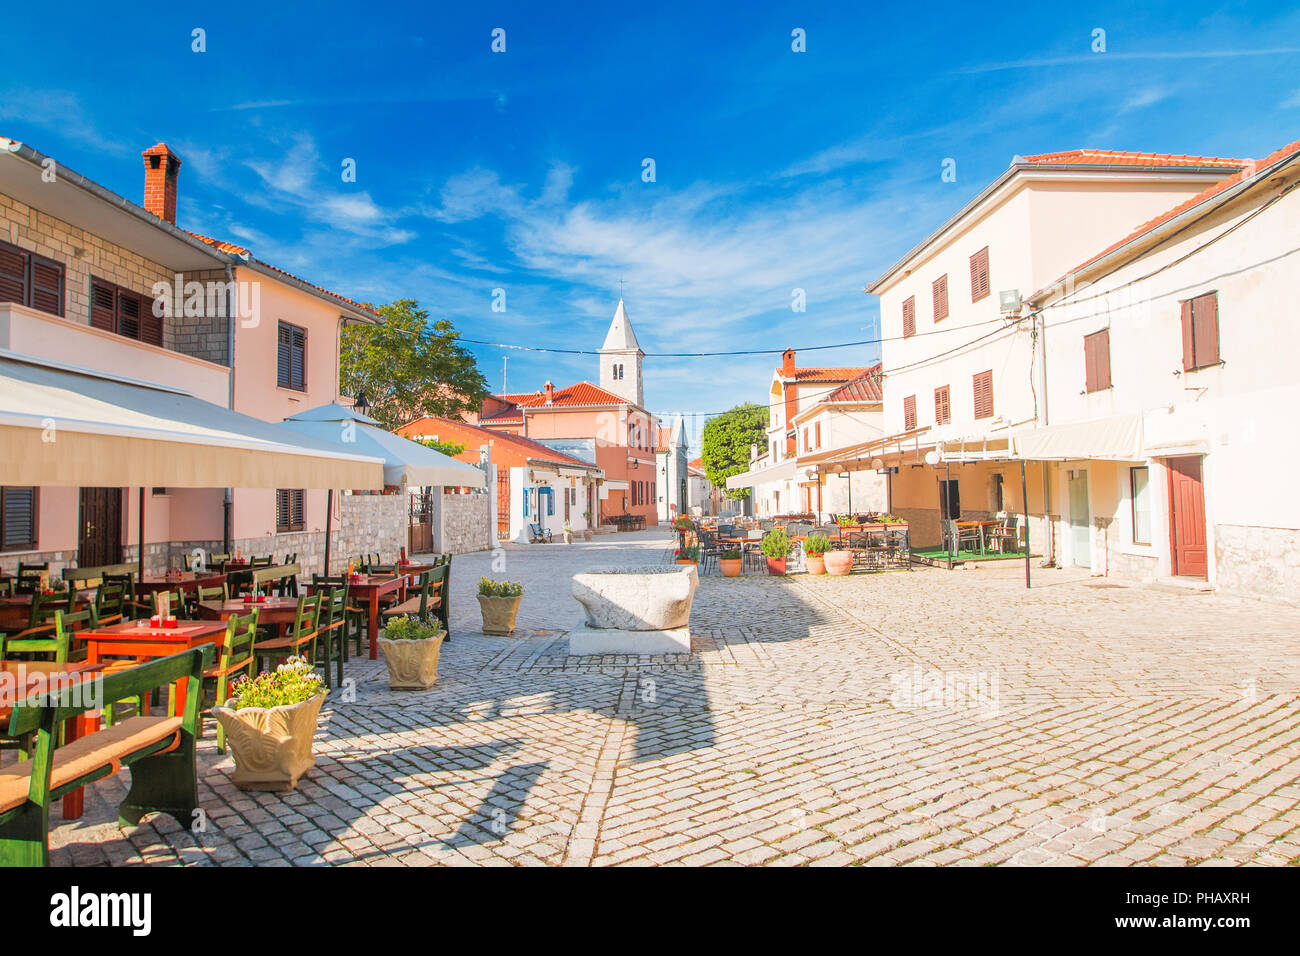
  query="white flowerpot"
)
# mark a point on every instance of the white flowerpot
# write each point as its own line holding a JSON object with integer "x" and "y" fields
{"x": 412, "y": 665}
{"x": 271, "y": 745}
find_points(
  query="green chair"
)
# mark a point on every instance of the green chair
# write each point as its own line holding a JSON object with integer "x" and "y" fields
{"x": 110, "y": 603}
{"x": 356, "y": 617}
{"x": 175, "y": 601}
{"x": 331, "y": 632}
{"x": 54, "y": 642}
{"x": 422, "y": 605}
{"x": 217, "y": 592}
{"x": 301, "y": 639}
{"x": 237, "y": 659}
{"x": 28, "y": 578}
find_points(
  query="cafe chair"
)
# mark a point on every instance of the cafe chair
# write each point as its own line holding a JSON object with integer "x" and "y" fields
{"x": 216, "y": 592}
{"x": 110, "y": 603}
{"x": 954, "y": 537}
{"x": 237, "y": 660}
{"x": 301, "y": 639}
{"x": 356, "y": 617}
{"x": 28, "y": 578}
{"x": 331, "y": 632}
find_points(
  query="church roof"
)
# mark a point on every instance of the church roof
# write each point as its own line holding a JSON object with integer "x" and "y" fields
{"x": 620, "y": 336}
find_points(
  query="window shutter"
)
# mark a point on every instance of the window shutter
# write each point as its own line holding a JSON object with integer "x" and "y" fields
{"x": 942, "y": 406}
{"x": 1096, "y": 361}
{"x": 101, "y": 306}
{"x": 983, "y": 392}
{"x": 940, "y": 289}
{"x": 298, "y": 368}
{"x": 909, "y": 316}
{"x": 47, "y": 286}
{"x": 17, "y": 519}
{"x": 151, "y": 326}
{"x": 1205, "y": 329}
{"x": 283, "y": 358}
{"x": 296, "y": 520}
{"x": 817, "y": 434}
{"x": 1189, "y": 352}
{"x": 909, "y": 413}
{"x": 13, "y": 274}
{"x": 128, "y": 314}
{"x": 979, "y": 275}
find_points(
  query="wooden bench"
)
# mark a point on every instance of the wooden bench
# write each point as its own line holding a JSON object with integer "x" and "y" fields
{"x": 159, "y": 751}
{"x": 79, "y": 578}
{"x": 258, "y": 578}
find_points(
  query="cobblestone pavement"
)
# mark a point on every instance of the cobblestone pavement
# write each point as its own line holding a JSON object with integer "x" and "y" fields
{"x": 922, "y": 717}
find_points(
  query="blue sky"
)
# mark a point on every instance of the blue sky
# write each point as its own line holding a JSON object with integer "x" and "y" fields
{"x": 775, "y": 170}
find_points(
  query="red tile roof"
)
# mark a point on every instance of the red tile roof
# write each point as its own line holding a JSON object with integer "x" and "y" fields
{"x": 864, "y": 388}
{"x": 1108, "y": 157}
{"x": 231, "y": 249}
{"x": 525, "y": 447}
{"x": 583, "y": 393}
{"x": 827, "y": 375}
{"x": 1204, "y": 196}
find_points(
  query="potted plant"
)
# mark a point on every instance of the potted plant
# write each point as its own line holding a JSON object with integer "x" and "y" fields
{"x": 816, "y": 546}
{"x": 776, "y": 548}
{"x": 499, "y": 602}
{"x": 729, "y": 561}
{"x": 687, "y": 555}
{"x": 411, "y": 648}
{"x": 587, "y": 533}
{"x": 838, "y": 562}
{"x": 270, "y": 721}
{"x": 568, "y": 533}
{"x": 844, "y": 521}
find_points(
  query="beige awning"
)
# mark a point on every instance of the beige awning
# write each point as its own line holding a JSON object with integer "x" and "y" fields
{"x": 62, "y": 425}
{"x": 748, "y": 479}
{"x": 1106, "y": 439}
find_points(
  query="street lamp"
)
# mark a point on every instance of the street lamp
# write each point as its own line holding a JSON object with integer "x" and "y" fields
{"x": 361, "y": 405}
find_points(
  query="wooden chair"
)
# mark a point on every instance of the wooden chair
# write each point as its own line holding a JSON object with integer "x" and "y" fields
{"x": 55, "y": 642}
{"x": 356, "y": 618}
{"x": 40, "y": 620}
{"x": 301, "y": 639}
{"x": 28, "y": 578}
{"x": 175, "y": 601}
{"x": 236, "y": 658}
{"x": 214, "y": 593}
{"x": 264, "y": 562}
{"x": 331, "y": 632}
{"x": 1007, "y": 533}
{"x": 420, "y": 605}
{"x": 110, "y": 603}
{"x": 7, "y": 587}
{"x": 132, "y": 606}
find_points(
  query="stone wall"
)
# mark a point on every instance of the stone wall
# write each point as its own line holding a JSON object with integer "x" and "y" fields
{"x": 467, "y": 523}
{"x": 208, "y": 336}
{"x": 1258, "y": 562}
{"x": 369, "y": 524}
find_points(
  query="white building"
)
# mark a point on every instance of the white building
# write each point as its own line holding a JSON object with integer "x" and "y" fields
{"x": 671, "y": 468}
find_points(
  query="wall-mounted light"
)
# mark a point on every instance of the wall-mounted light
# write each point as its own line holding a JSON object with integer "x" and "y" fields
{"x": 932, "y": 458}
{"x": 1010, "y": 300}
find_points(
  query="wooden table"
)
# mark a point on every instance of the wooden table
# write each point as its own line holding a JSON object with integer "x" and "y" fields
{"x": 36, "y": 677}
{"x": 369, "y": 588}
{"x": 16, "y": 610}
{"x": 184, "y": 581}
{"x": 981, "y": 524}
{"x": 278, "y": 612}
{"x": 143, "y": 642}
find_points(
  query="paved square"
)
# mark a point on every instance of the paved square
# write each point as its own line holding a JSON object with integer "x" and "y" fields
{"x": 923, "y": 717}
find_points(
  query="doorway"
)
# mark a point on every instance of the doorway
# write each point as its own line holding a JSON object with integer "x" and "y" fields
{"x": 1080, "y": 522}
{"x": 99, "y": 537}
{"x": 1188, "y": 552}
{"x": 949, "y": 499}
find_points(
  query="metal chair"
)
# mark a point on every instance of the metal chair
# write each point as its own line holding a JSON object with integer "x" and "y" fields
{"x": 954, "y": 537}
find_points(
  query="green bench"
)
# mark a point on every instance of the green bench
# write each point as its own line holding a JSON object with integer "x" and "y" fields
{"x": 79, "y": 578}
{"x": 159, "y": 751}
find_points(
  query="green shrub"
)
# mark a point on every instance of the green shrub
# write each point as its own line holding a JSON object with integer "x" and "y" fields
{"x": 817, "y": 544}
{"x": 731, "y": 554}
{"x": 291, "y": 683}
{"x": 776, "y": 544}
{"x": 406, "y": 628}
{"x": 689, "y": 553}
{"x": 490, "y": 588}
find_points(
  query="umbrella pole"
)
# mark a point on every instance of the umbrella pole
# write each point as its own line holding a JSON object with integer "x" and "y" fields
{"x": 329, "y": 515}
{"x": 141, "y": 542}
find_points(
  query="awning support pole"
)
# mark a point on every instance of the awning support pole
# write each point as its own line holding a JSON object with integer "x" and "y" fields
{"x": 1024, "y": 497}
{"x": 329, "y": 516}
{"x": 141, "y": 549}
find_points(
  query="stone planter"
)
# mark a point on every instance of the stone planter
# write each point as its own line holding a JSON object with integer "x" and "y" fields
{"x": 412, "y": 665}
{"x": 588, "y": 534}
{"x": 634, "y": 610}
{"x": 730, "y": 567}
{"x": 271, "y": 746}
{"x": 839, "y": 563}
{"x": 816, "y": 563}
{"x": 499, "y": 614}
{"x": 568, "y": 537}
{"x": 776, "y": 566}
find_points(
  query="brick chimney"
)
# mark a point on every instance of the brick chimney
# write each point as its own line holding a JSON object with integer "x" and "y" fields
{"x": 787, "y": 362}
{"x": 550, "y": 394}
{"x": 161, "y": 170}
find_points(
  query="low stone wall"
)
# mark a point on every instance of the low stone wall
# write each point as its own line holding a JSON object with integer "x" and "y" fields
{"x": 371, "y": 523}
{"x": 467, "y": 523}
{"x": 1258, "y": 562}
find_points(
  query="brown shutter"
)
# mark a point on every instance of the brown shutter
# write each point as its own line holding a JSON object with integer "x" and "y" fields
{"x": 940, "y": 290}
{"x": 297, "y": 519}
{"x": 909, "y": 316}
{"x": 983, "y": 391}
{"x": 128, "y": 314}
{"x": 942, "y": 407}
{"x": 1189, "y": 352}
{"x": 283, "y": 357}
{"x": 151, "y": 326}
{"x": 1205, "y": 329}
{"x": 1089, "y": 364}
{"x": 101, "y": 306}
{"x": 13, "y": 274}
{"x": 1101, "y": 358}
{"x": 47, "y": 286}
{"x": 909, "y": 413}
{"x": 979, "y": 275}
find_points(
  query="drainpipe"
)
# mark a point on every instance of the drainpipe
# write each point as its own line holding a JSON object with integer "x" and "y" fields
{"x": 228, "y": 499}
{"x": 1049, "y": 533}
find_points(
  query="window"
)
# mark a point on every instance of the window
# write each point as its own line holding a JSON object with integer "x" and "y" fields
{"x": 30, "y": 280}
{"x": 979, "y": 275}
{"x": 983, "y": 388}
{"x": 817, "y": 435}
{"x": 996, "y": 496}
{"x": 18, "y": 513}
{"x": 288, "y": 509}
{"x": 1096, "y": 361}
{"x": 1140, "y": 501}
{"x": 909, "y": 316}
{"x": 942, "y": 406}
{"x": 806, "y": 446}
{"x": 909, "y": 413}
{"x": 126, "y": 313}
{"x": 940, "y": 290}
{"x": 291, "y": 358}
{"x": 1200, "y": 331}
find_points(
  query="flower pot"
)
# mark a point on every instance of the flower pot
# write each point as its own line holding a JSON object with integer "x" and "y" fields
{"x": 568, "y": 537}
{"x": 730, "y": 567}
{"x": 499, "y": 614}
{"x": 685, "y": 561}
{"x": 588, "y": 534}
{"x": 271, "y": 745}
{"x": 838, "y": 563}
{"x": 776, "y": 566}
{"x": 412, "y": 665}
{"x": 816, "y": 563}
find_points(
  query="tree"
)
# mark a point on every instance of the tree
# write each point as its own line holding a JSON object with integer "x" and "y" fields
{"x": 726, "y": 442}
{"x": 449, "y": 448}
{"x": 408, "y": 366}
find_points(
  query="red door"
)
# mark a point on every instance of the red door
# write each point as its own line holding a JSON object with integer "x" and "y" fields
{"x": 1187, "y": 514}
{"x": 503, "y": 503}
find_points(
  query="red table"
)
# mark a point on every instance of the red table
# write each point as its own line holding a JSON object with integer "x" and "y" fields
{"x": 369, "y": 588}
{"x": 184, "y": 581}
{"x": 278, "y": 612}
{"x": 139, "y": 640}
{"x": 36, "y": 674}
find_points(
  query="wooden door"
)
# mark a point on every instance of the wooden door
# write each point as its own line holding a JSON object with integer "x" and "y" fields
{"x": 1080, "y": 522}
{"x": 503, "y": 503}
{"x": 99, "y": 539}
{"x": 1187, "y": 517}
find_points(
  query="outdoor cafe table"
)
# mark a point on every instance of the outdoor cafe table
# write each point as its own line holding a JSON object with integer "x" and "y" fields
{"x": 40, "y": 677}
{"x": 277, "y": 612}
{"x": 370, "y": 588}
{"x": 182, "y": 581}
{"x": 983, "y": 524}
{"x": 143, "y": 641}
{"x": 16, "y": 610}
